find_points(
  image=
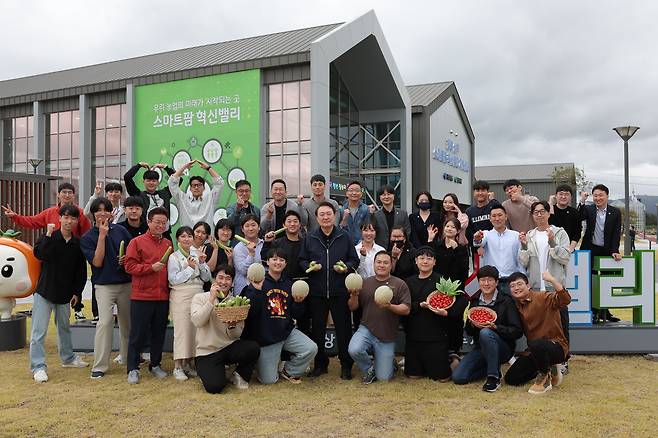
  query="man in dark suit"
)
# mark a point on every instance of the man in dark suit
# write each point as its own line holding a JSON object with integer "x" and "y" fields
{"x": 389, "y": 217}
{"x": 602, "y": 234}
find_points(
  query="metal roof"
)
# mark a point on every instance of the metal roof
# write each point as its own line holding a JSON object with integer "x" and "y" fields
{"x": 246, "y": 49}
{"x": 425, "y": 94}
{"x": 522, "y": 172}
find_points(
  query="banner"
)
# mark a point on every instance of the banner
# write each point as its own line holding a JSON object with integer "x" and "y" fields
{"x": 215, "y": 119}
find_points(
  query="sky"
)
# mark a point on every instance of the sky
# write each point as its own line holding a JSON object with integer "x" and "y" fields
{"x": 541, "y": 82}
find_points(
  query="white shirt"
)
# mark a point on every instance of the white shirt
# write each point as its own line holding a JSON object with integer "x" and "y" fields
{"x": 192, "y": 210}
{"x": 541, "y": 240}
{"x": 367, "y": 263}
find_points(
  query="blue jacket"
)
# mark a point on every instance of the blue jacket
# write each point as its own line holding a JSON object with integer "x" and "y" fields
{"x": 326, "y": 282}
{"x": 110, "y": 272}
{"x": 272, "y": 310}
{"x": 354, "y": 222}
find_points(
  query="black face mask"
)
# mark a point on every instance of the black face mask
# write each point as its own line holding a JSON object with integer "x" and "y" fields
{"x": 398, "y": 243}
{"x": 424, "y": 205}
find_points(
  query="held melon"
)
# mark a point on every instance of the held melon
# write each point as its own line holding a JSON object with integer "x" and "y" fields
{"x": 383, "y": 295}
{"x": 300, "y": 289}
{"x": 256, "y": 272}
{"x": 353, "y": 281}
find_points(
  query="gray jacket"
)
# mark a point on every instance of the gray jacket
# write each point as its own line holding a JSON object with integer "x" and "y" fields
{"x": 558, "y": 257}
{"x": 268, "y": 224}
{"x": 401, "y": 219}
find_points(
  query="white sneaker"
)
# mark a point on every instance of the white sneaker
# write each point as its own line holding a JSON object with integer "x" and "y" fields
{"x": 158, "y": 372}
{"x": 238, "y": 381}
{"x": 179, "y": 374}
{"x": 118, "y": 360}
{"x": 40, "y": 376}
{"x": 76, "y": 363}
{"x": 191, "y": 372}
{"x": 133, "y": 377}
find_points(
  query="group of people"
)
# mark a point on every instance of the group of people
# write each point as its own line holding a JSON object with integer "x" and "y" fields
{"x": 524, "y": 245}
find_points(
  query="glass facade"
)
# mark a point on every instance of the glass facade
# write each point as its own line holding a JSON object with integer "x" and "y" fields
{"x": 289, "y": 134}
{"x": 344, "y": 135}
{"x": 109, "y": 143}
{"x": 63, "y": 145}
{"x": 18, "y": 144}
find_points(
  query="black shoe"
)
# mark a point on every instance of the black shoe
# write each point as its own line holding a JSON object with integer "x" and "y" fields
{"x": 97, "y": 374}
{"x": 318, "y": 371}
{"x": 610, "y": 317}
{"x": 491, "y": 385}
{"x": 346, "y": 373}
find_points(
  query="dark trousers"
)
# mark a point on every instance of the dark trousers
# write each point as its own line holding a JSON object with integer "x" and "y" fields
{"x": 211, "y": 367}
{"x": 564, "y": 318}
{"x": 340, "y": 313}
{"x": 426, "y": 359}
{"x": 543, "y": 354}
{"x": 148, "y": 322}
{"x": 454, "y": 325}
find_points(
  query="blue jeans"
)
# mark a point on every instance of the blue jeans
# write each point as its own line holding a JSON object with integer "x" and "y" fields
{"x": 302, "y": 349}
{"x": 364, "y": 343}
{"x": 484, "y": 360}
{"x": 41, "y": 310}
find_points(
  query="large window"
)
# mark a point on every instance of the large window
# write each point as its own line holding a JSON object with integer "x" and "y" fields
{"x": 63, "y": 146}
{"x": 344, "y": 136}
{"x": 289, "y": 134}
{"x": 109, "y": 143}
{"x": 18, "y": 144}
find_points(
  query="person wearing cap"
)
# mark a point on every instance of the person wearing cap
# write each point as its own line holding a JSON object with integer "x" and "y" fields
{"x": 200, "y": 204}
{"x": 318, "y": 185}
{"x": 494, "y": 342}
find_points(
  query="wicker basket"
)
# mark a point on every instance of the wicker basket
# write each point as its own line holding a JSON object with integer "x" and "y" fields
{"x": 486, "y": 309}
{"x": 436, "y": 292}
{"x": 232, "y": 314}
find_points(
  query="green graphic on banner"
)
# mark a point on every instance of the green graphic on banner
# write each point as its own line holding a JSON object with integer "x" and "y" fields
{"x": 215, "y": 119}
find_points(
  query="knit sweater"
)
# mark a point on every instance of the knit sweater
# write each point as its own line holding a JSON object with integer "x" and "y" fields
{"x": 212, "y": 335}
{"x": 519, "y": 216}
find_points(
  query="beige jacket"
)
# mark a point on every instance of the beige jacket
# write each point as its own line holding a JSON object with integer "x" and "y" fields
{"x": 211, "y": 334}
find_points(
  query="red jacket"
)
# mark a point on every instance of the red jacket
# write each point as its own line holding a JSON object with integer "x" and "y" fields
{"x": 51, "y": 216}
{"x": 142, "y": 252}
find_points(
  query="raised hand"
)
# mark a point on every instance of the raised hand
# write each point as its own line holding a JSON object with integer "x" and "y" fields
{"x": 145, "y": 165}
{"x": 583, "y": 197}
{"x": 98, "y": 190}
{"x": 8, "y": 211}
{"x": 372, "y": 208}
{"x": 300, "y": 199}
{"x": 478, "y": 236}
{"x": 49, "y": 229}
{"x": 523, "y": 239}
{"x": 432, "y": 231}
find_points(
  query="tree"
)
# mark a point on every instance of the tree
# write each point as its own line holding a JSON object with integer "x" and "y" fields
{"x": 573, "y": 176}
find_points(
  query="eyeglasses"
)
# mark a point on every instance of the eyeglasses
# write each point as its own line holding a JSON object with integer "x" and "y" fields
{"x": 539, "y": 212}
{"x": 196, "y": 185}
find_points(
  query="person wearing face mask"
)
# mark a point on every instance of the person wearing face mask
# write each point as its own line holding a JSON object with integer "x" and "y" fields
{"x": 402, "y": 253}
{"x": 389, "y": 216}
{"x": 423, "y": 220}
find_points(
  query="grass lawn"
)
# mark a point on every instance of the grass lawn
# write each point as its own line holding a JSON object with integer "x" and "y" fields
{"x": 601, "y": 396}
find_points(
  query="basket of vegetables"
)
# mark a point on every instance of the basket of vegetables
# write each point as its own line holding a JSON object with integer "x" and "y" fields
{"x": 445, "y": 294}
{"x": 233, "y": 309}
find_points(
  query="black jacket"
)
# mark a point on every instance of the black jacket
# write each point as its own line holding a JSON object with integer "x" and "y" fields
{"x": 508, "y": 323}
{"x": 406, "y": 264}
{"x": 400, "y": 219}
{"x": 451, "y": 263}
{"x": 611, "y": 229}
{"x": 326, "y": 282}
{"x": 63, "y": 269}
{"x": 291, "y": 248}
{"x": 133, "y": 190}
{"x": 569, "y": 219}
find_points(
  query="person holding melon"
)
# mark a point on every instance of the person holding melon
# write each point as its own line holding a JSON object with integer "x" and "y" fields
{"x": 59, "y": 252}
{"x": 384, "y": 299}
{"x": 247, "y": 251}
{"x": 104, "y": 248}
{"x": 494, "y": 339}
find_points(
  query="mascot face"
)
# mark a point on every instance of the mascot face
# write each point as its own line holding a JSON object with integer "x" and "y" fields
{"x": 14, "y": 277}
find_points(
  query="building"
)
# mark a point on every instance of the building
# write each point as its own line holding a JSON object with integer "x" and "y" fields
{"x": 538, "y": 179}
{"x": 638, "y": 211}
{"x": 326, "y": 99}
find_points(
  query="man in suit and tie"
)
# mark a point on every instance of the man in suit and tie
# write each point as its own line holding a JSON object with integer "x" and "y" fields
{"x": 602, "y": 234}
{"x": 389, "y": 217}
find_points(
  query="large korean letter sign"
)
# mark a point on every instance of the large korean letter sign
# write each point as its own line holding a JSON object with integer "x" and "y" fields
{"x": 212, "y": 118}
{"x": 629, "y": 283}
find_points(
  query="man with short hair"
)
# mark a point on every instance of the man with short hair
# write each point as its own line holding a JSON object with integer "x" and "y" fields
{"x": 65, "y": 196}
{"x": 149, "y": 305}
{"x": 270, "y": 323}
{"x": 542, "y": 325}
{"x": 272, "y": 214}
{"x": 378, "y": 329}
{"x": 602, "y": 233}
{"x": 517, "y": 206}
{"x": 151, "y": 196}
{"x": 61, "y": 281}
{"x": 389, "y": 216}
{"x": 325, "y": 247}
{"x": 354, "y": 211}
{"x": 318, "y": 184}
{"x": 113, "y": 192}
{"x": 200, "y": 204}
{"x": 494, "y": 342}
{"x": 236, "y": 211}
{"x": 563, "y": 215}
{"x": 501, "y": 247}
{"x": 134, "y": 223}
{"x": 478, "y": 213}
{"x": 101, "y": 247}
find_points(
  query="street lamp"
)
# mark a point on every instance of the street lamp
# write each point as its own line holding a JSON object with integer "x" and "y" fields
{"x": 626, "y": 132}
